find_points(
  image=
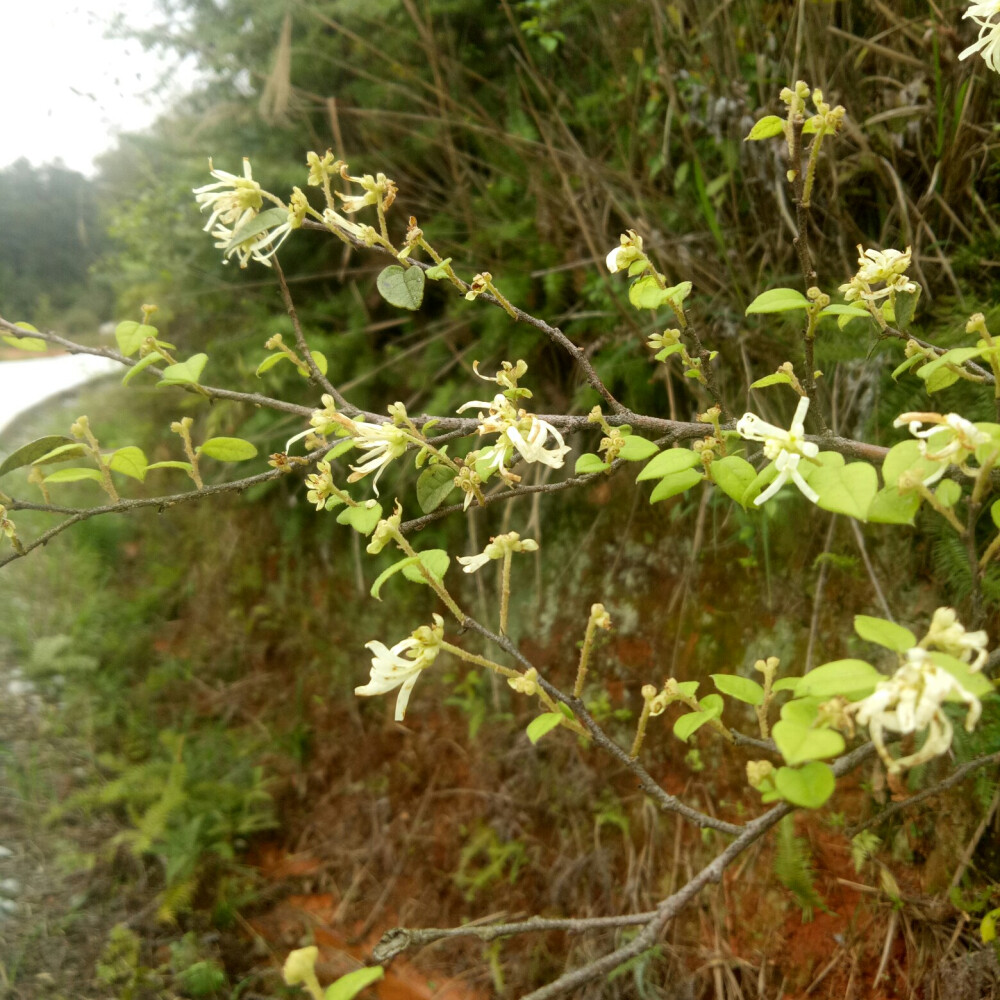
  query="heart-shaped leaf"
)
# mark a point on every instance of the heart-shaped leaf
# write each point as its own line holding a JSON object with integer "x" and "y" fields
{"x": 740, "y": 688}
{"x": 130, "y": 336}
{"x": 433, "y": 486}
{"x": 402, "y": 287}
{"x": 185, "y": 372}
{"x": 808, "y": 787}
{"x": 435, "y": 561}
{"x": 130, "y": 461}
{"x": 799, "y": 743}
{"x": 732, "y": 475}
{"x": 848, "y": 490}
{"x": 362, "y": 518}
{"x": 589, "y": 463}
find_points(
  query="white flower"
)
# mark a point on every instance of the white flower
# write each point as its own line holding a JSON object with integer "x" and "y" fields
{"x": 391, "y": 669}
{"x": 497, "y": 548}
{"x": 622, "y": 257}
{"x": 382, "y": 443}
{"x": 988, "y": 43}
{"x": 910, "y": 701}
{"x": 252, "y": 248}
{"x": 961, "y": 445}
{"x": 233, "y": 200}
{"x": 949, "y": 635}
{"x": 879, "y": 266}
{"x": 785, "y": 448}
{"x": 517, "y": 429}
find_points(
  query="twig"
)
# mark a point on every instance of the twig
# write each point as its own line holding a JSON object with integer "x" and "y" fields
{"x": 955, "y": 778}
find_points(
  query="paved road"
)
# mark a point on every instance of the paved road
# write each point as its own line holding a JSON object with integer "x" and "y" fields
{"x": 25, "y": 383}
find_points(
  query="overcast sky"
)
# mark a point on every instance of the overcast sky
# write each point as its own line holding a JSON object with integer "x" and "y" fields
{"x": 67, "y": 90}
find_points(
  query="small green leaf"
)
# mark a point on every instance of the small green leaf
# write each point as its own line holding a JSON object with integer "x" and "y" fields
{"x": 438, "y": 271}
{"x": 339, "y": 449}
{"x": 185, "y": 372}
{"x": 270, "y": 361}
{"x": 362, "y": 518}
{"x": 637, "y": 449}
{"x": 186, "y": 466}
{"x": 848, "y": 489}
{"x": 808, "y": 787}
{"x": 668, "y": 462}
{"x": 73, "y": 475}
{"x": 668, "y": 350}
{"x": 778, "y": 300}
{"x": 130, "y": 336}
{"x": 741, "y": 688}
{"x": 786, "y": 684}
{"x": 349, "y": 986}
{"x": 905, "y": 307}
{"x": 843, "y": 309}
{"x": 319, "y": 359}
{"x": 948, "y": 492}
{"x": 686, "y": 725}
{"x": 435, "y": 561}
{"x": 906, "y": 366}
{"x": 852, "y": 679}
{"x": 402, "y": 287}
{"x": 130, "y": 461}
{"x": 228, "y": 449}
{"x": 589, "y": 463}
{"x": 149, "y": 359}
{"x": 732, "y": 475}
{"x": 884, "y": 633}
{"x": 433, "y": 486}
{"x": 392, "y": 570}
{"x": 61, "y": 454}
{"x": 766, "y": 128}
{"x": 566, "y": 710}
{"x": 645, "y": 293}
{"x": 888, "y": 507}
{"x": 262, "y": 221}
{"x": 994, "y": 509}
{"x": 778, "y": 378}
{"x": 671, "y": 486}
{"x": 33, "y": 451}
{"x": 799, "y": 743}
{"x": 543, "y": 724}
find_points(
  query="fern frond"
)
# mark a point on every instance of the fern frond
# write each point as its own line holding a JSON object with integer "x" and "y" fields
{"x": 793, "y": 867}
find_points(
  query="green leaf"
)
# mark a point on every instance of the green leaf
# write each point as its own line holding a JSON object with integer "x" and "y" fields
{"x": 994, "y": 510}
{"x": 543, "y": 724}
{"x": 130, "y": 461}
{"x": 766, "y": 128}
{"x": 670, "y": 486}
{"x": 688, "y": 724}
{"x": 843, "y": 309}
{"x": 905, "y": 307}
{"x": 799, "y": 743}
{"x": 778, "y": 378}
{"x": 645, "y": 293}
{"x": 668, "y": 462}
{"x": 73, "y": 475}
{"x": 149, "y": 359}
{"x": 889, "y": 507}
{"x": 436, "y": 562}
{"x": 185, "y": 372}
{"x": 741, "y": 688}
{"x": 402, "y": 286}
{"x": 262, "y": 221}
{"x": 319, "y": 359}
{"x": 936, "y": 373}
{"x": 906, "y": 366}
{"x": 25, "y": 343}
{"x": 848, "y": 489}
{"x": 270, "y": 361}
{"x": 668, "y": 350}
{"x": 396, "y": 567}
{"x": 362, "y": 518}
{"x": 776, "y": 300}
{"x": 349, "y": 986}
{"x": 852, "y": 679}
{"x": 688, "y": 688}
{"x": 62, "y": 454}
{"x": 884, "y": 633}
{"x": 33, "y": 451}
{"x": 808, "y": 787}
{"x": 637, "y": 449}
{"x": 186, "y": 466}
{"x": 130, "y": 336}
{"x": 948, "y": 492}
{"x": 566, "y": 710}
{"x": 732, "y": 475}
{"x": 589, "y": 463}
{"x": 438, "y": 271}
{"x": 228, "y": 449}
{"x": 339, "y": 449}
{"x": 433, "y": 486}
{"x": 786, "y": 684}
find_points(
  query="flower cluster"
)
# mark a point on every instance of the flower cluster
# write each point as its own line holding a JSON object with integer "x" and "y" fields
{"x": 949, "y": 635}
{"x": 621, "y": 258}
{"x": 988, "y": 43}
{"x": 955, "y": 440}
{"x": 497, "y": 548}
{"x": 785, "y": 448}
{"x": 517, "y": 429}
{"x": 885, "y": 267}
{"x": 320, "y": 485}
{"x": 911, "y": 701}
{"x": 400, "y": 666}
